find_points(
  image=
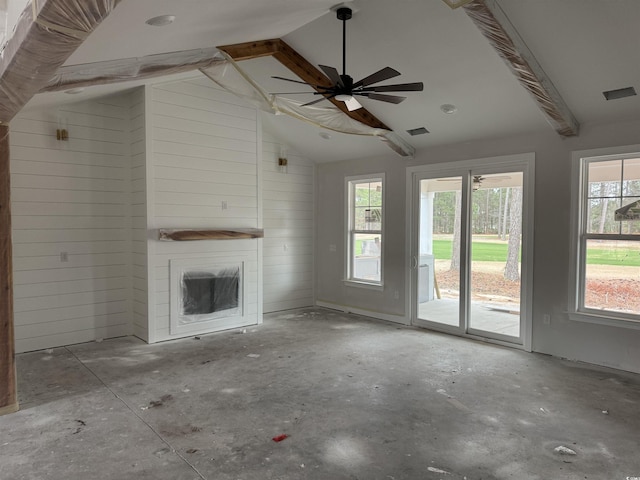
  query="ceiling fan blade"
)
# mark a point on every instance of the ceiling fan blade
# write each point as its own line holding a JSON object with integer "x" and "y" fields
{"x": 400, "y": 87}
{"x": 295, "y": 93}
{"x": 313, "y": 102}
{"x": 384, "y": 98}
{"x": 352, "y": 104}
{"x": 333, "y": 74}
{"x": 385, "y": 74}
{"x": 294, "y": 81}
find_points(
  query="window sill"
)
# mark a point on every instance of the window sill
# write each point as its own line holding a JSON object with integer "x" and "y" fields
{"x": 608, "y": 319}
{"x": 362, "y": 284}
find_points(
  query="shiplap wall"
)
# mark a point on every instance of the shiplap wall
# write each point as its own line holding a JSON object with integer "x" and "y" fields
{"x": 204, "y": 152}
{"x": 71, "y": 197}
{"x": 288, "y": 200}
{"x": 139, "y": 264}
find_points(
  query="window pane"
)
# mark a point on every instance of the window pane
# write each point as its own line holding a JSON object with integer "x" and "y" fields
{"x": 604, "y": 178}
{"x": 366, "y": 259}
{"x": 367, "y": 218}
{"x": 612, "y": 276}
{"x": 600, "y": 215}
{"x": 362, "y": 194}
{"x": 631, "y": 180}
{"x": 359, "y": 218}
{"x": 630, "y": 227}
{"x": 376, "y": 194}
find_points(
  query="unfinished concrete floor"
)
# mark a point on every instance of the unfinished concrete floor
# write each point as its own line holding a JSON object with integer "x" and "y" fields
{"x": 358, "y": 399}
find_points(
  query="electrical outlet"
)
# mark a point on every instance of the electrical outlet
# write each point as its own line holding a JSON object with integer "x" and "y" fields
{"x": 64, "y": 257}
{"x": 332, "y": 247}
{"x": 546, "y": 319}
{"x": 224, "y": 205}
{"x": 396, "y": 294}
{"x": 285, "y": 247}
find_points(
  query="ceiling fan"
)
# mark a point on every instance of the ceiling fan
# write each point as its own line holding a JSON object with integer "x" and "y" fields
{"x": 343, "y": 88}
{"x": 477, "y": 180}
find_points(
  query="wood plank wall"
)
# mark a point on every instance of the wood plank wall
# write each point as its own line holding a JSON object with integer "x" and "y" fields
{"x": 167, "y": 156}
{"x": 288, "y": 202}
{"x": 71, "y": 224}
{"x": 204, "y": 153}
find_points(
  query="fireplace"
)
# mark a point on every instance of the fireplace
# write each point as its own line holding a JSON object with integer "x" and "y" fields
{"x": 205, "y": 296}
{"x": 205, "y": 293}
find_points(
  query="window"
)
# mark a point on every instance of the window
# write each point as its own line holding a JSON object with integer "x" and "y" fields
{"x": 608, "y": 244}
{"x": 364, "y": 263}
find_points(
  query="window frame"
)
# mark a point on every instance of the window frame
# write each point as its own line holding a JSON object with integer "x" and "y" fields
{"x": 579, "y": 236}
{"x": 349, "y": 279}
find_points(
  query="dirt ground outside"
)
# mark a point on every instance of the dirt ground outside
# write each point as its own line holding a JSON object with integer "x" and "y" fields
{"x": 610, "y": 287}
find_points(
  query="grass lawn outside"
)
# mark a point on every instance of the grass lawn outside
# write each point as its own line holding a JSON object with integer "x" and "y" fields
{"x": 480, "y": 251}
{"x": 497, "y": 252}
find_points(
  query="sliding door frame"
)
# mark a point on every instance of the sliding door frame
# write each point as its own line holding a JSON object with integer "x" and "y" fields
{"x": 524, "y": 163}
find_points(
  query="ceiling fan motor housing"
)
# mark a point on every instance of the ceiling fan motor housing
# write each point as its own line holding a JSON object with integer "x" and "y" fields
{"x": 347, "y": 83}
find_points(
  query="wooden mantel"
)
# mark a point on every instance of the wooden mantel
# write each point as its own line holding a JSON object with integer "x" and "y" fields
{"x": 205, "y": 234}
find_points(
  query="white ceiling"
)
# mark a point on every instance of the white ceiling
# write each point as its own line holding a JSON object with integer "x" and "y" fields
{"x": 584, "y": 46}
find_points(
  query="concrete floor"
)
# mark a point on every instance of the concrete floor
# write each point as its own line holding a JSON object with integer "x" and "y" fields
{"x": 489, "y": 317}
{"x": 359, "y": 399}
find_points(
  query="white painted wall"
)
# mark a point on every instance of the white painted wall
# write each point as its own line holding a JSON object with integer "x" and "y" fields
{"x": 71, "y": 197}
{"x": 288, "y": 213}
{"x": 598, "y": 344}
{"x": 331, "y": 289}
{"x": 202, "y": 150}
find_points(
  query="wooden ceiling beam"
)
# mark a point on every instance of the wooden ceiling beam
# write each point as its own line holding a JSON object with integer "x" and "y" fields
{"x": 299, "y": 66}
{"x": 47, "y": 33}
{"x": 503, "y": 36}
{"x": 128, "y": 69}
{"x": 8, "y": 389}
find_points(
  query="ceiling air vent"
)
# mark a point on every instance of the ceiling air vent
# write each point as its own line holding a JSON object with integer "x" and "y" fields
{"x": 417, "y": 131}
{"x": 619, "y": 93}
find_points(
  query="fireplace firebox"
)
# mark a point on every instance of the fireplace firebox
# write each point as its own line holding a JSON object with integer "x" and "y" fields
{"x": 205, "y": 297}
{"x": 208, "y": 292}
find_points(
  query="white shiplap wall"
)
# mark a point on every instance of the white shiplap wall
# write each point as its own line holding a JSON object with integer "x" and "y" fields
{"x": 71, "y": 197}
{"x": 288, "y": 209}
{"x": 204, "y": 151}
{"x": 138, "y": 139}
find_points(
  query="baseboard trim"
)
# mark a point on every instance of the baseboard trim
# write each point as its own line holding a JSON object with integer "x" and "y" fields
{"x": 402, "y": 320}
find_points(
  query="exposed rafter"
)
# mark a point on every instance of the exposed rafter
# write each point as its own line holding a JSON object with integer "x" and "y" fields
{"x": 295, "y": 62}
{"x": 496, "y": 27}
{"x": 128, "y": 69}
{"x": 47, "y": 33}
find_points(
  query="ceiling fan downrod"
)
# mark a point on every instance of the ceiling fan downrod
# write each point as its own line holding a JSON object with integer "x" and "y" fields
{"x": 344, "y": 14}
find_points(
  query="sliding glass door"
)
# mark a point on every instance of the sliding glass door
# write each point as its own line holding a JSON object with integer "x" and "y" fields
{"x": 468, "y": 234}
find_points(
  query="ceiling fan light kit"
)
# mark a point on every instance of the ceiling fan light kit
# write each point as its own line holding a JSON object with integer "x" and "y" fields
{"x": 343, "y": 88}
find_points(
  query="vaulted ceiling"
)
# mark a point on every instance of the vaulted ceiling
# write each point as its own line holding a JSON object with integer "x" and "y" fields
{"x": 583, "y": 47}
